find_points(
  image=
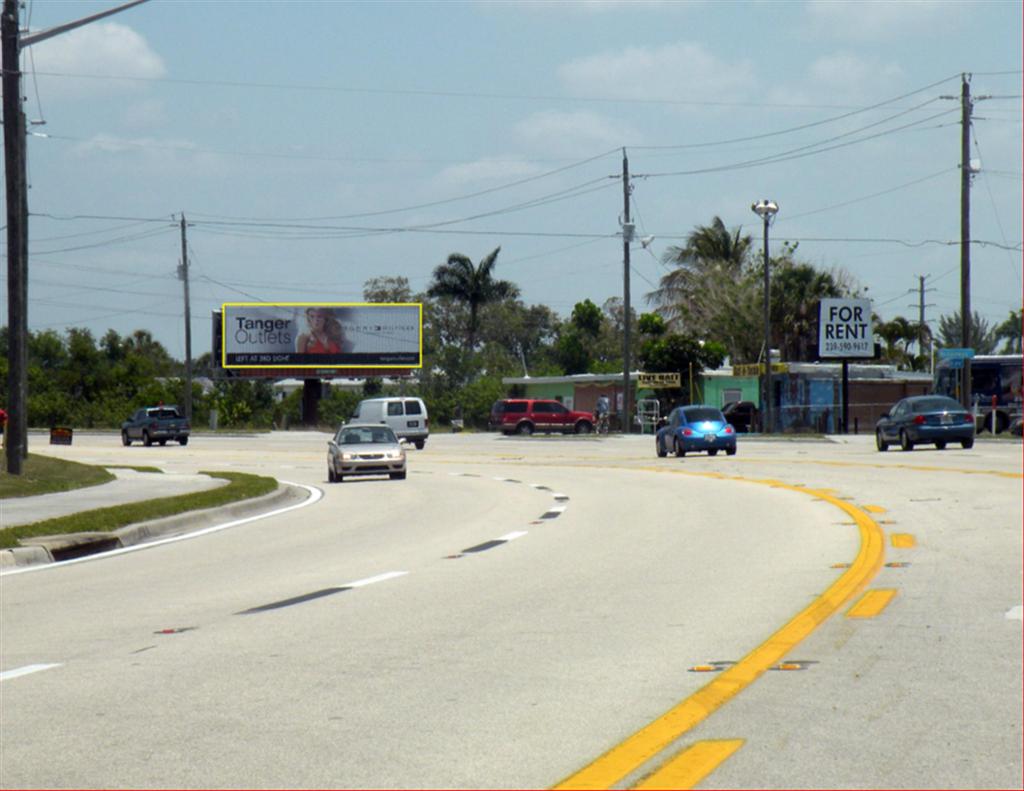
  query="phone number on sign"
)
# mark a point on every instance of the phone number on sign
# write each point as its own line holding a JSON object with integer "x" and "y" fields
{"x": 848, "y": 346}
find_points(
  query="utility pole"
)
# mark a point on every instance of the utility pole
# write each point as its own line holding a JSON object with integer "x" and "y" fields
{"x": 16, "y": 184}
{"x": 921, "y": 326}
{"x": 965, "y": 233}
{"x": 627, "y": 238}
{"x": 183, "y": 274}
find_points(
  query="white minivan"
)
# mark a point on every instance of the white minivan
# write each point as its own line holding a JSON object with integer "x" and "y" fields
{"x": 405, "y": 415}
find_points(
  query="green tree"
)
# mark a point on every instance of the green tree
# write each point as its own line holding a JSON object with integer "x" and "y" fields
{"x": 712, "y": 254}
{"x": 983, "y": 337}
{"x": 1010, "y": 332}
{"x": 474, "y": 286}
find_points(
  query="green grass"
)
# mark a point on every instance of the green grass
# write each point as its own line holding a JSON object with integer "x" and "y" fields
{"x": 241, "y": 486}
{"x": 44, "y": 475}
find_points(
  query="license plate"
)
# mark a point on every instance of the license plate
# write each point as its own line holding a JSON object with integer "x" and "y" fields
{"x": 947, "y": 419}
{"x": 412, "y": 423}
{"x": 709, "y": 437}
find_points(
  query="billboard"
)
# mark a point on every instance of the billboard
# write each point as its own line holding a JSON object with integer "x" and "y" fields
{"x": 321, "y": 335}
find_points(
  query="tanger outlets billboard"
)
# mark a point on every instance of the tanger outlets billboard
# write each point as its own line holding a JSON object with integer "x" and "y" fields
{"x": 321, "y": 335}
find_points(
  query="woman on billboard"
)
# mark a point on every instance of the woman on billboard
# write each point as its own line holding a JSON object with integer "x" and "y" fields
{"x": 324, "y": 335}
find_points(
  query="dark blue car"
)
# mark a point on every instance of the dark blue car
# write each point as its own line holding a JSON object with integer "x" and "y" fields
{"x": 697, "y": 427}
{"x": 925, "y": 420}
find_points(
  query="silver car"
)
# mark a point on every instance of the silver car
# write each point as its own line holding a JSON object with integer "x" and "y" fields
{"x": 365, "y": 449}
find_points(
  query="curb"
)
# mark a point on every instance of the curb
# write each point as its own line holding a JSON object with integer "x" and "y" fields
{"x": 48, "y": 549}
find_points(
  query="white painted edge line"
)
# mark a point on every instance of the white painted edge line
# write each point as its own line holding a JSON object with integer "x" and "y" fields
{"x": 557, "y": 509}
{"x": 24, "y": 671}
{"x": 513, "y": 536}
{"x": 1015, "y": 613}
{"x": 315, "y": 495}
{"x": 388, "y": 575}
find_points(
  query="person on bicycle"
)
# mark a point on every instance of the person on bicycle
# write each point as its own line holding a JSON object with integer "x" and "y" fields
{"x": 601, "y": 412}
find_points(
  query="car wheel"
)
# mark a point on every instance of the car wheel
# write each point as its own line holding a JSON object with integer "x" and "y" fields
{"x": 583, "y": 427}
{"x": 880, "y": 442}
{"x": 420, "y": 443}
{"x": 125, "y": 439}
{"x": 146, "y": 439}
{"x": 678, "y": 448}
{"x": 525, "y": 429}
{"x": 940, "y": 445}
{"x": 905, "y": 442}
{"x": 967, "y": 443}
{"x": 331, "y": 475}
{"x": 730, "y": 451}
{"x": 713, "y": 452}
{"x": 662, "y": 453}
{"x": 397, "y": 476}
{"x": 183, "y": 440}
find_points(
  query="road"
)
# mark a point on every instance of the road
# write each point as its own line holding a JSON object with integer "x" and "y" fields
{"x": 540, "y": 611}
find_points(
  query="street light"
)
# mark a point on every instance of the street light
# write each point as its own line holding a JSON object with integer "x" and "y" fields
{"x": 766, "y": 210}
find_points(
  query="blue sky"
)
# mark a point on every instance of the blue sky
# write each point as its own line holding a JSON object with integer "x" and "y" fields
{"x": 315, "y": 145}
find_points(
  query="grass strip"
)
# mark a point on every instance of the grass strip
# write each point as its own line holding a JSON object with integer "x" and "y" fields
{"x": 45, "y": 475}
{"x": 241, "y": 486}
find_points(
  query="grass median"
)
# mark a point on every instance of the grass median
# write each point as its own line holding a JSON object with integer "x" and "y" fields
{"x": 240, "y": 486}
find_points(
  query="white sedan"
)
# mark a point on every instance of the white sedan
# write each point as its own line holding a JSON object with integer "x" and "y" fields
{"x": 365, "y": 449}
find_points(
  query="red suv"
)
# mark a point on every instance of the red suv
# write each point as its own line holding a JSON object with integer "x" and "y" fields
{"x": 527, "y": 415}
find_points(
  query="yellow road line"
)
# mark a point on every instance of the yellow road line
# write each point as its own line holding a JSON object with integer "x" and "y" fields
{"x": 692, "y": 765}
{"x": 874, "y": 509}
{"x": 872, "y": 603}
{"x": 647, "y": 742}
{"x": 903, "y": 540}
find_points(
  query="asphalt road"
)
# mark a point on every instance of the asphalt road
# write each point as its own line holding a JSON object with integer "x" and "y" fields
{"x": 529, "y": 612}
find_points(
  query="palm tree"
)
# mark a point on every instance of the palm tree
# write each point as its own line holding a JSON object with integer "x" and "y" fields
{"x": 983, "y": 338}
{"x": 797, "y": 290}
{"x": 473, "y": 286}
{"x": 711, "y": 254}
{"x": 1010, "y": 331}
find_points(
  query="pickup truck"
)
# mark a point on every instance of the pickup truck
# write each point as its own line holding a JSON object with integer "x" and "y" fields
{"x": 155, "y": 424}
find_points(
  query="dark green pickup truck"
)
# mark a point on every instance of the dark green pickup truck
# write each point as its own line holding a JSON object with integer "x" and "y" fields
{"x": 155, "y": 424}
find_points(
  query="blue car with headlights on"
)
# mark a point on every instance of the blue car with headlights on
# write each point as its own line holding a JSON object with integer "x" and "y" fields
{"x": 696, "y": 428}
{"x": 930, "y": 419}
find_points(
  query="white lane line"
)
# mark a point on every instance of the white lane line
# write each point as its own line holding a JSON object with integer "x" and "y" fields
{"x": 388, "y": 575}
{"x": 24, "y": 671}
{"x": 513, "y": 536}
{"x": 314, "y": 496}
{"x": 1015, "y": 613}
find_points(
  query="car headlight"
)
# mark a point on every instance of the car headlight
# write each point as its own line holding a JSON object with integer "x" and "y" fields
{"x": 394, "y": 454}
{"x": 346, "y": 456}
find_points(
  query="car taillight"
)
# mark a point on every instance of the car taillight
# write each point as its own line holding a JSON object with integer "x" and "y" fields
{"x": 919, "y": 420}
{"x": 687, "y": 432}
{"x": 728, "y": 429}
{"x": 968, "y": 418}
{"x": 426, "y": 422}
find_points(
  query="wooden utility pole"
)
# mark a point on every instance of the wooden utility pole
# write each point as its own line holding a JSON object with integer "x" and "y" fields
{"x": 183, "y": 274}
{"x": 16, "y": 183}
{"x": 627, "y": 238}
{"x": 965, "y": 235}
{"x": 16, "y": 445}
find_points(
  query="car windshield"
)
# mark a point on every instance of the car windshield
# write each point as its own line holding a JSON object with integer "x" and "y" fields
{"x": 701, "y": 415}
{"x": 365, "y": 435}
{"x": 937, "y": 404}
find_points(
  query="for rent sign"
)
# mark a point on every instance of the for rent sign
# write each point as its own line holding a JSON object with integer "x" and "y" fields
{"x": 845, "y": 329}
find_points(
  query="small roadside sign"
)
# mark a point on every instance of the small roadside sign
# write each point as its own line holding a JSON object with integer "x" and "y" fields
{"x": 956, "y": 354}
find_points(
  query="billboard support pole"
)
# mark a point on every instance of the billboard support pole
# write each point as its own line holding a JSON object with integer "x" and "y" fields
{"x": 846, "y": 396}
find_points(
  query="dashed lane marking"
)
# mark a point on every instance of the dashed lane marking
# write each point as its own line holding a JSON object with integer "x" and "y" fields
{"x": 17, "y": 672}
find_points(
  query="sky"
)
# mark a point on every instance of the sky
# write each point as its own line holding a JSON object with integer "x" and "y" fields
{"x": 311, "y": 146}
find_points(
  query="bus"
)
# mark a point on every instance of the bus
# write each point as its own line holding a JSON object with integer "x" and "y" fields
{"x": 995, "y": 388}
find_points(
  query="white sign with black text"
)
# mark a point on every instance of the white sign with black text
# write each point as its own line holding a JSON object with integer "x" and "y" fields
{"x": 845, "y": 328}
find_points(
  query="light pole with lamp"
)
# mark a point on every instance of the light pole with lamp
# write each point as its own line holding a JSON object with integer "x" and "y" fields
{"x": 766, "y": 210}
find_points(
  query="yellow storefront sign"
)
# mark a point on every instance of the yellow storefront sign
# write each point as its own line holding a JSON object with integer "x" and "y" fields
{"x": 658, "y": 380}
{"x": 757, "y": 369}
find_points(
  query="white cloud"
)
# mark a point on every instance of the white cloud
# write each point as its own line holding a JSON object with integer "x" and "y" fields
{"x": 874, "y": 19}
{"x": 106, "y": 49}
{"x": 487, "y": 169}
{"x": 570, "y": 133}
{"x": 849, "y": 76}
{"x": 683, "y": 72}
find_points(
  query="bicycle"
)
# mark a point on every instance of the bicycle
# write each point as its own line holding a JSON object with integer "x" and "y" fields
{"x": 602, "y": 423}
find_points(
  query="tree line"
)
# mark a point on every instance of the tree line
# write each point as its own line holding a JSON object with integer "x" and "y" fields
{"x": 477, "y": 330}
